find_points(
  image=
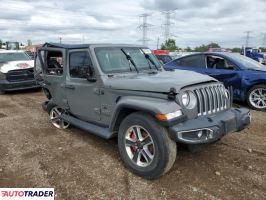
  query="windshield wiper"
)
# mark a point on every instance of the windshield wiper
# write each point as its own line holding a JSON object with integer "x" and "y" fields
{"x": 147, "y": 56}
{"x": 129, "y": 58}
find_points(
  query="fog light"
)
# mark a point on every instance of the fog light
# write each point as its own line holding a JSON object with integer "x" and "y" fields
{"x": 200, "y": 134}
{"x": 210, "y": 135}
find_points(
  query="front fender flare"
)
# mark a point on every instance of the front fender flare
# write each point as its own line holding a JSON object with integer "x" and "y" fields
{"x": 149, "y": 105}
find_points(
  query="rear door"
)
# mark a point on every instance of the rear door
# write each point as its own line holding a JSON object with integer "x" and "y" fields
{"x": 192, "y": 63}
{"x": 82, "y": 95}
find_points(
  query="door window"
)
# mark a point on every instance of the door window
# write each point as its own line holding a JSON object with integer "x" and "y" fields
{"x": 54, "y": 63}
{"x": 192, "y": 61}
{"x": 215, "y": 62}
{"x": 80, "y": 64}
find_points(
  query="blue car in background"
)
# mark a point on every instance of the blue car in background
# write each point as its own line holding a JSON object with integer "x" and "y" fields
{"x": 246, "y": 76}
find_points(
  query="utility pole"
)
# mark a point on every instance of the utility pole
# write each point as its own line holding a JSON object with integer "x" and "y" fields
{"x": 167, "y": 23}
{"x": 264, "y": 40}
{"x": 247, "y": 38}
{"x": 60, "y": 40}
{"x": 144, "y": 27}
{"x": 158, "y": 41}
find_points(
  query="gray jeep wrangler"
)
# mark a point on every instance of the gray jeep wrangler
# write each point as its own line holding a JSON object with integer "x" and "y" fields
{"x": 122, "y": 90}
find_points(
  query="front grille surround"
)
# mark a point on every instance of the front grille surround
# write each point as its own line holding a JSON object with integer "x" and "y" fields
{"x": 212, "y": 99}
{"x": 20, "y": 75}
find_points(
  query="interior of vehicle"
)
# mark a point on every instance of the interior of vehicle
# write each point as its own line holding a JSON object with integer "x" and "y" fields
{"x": 215, "y": 62}
{"x": 54, "y": 63}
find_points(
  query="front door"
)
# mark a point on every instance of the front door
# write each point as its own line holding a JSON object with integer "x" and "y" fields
{"x": 224, "y": 71}
{"x": 82, "y": 95}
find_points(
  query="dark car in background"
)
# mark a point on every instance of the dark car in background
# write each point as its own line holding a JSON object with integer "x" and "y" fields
{"x": 16, "y": 71}
{"x": 246, "y": 76}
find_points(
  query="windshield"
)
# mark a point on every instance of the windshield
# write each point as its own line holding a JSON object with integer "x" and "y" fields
{"x": 7, "y": 57}
{"x": 246, "y": 62}
{"x": 113, "y": 60}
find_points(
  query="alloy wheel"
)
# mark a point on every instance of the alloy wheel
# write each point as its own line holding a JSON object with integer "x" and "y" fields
{"x": 55, "y": 114}
{"x": 139, "y": 146}
{"x": 257, "y": 98}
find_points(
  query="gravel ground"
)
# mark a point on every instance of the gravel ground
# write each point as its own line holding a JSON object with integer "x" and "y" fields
{"x": 82, "y": 166}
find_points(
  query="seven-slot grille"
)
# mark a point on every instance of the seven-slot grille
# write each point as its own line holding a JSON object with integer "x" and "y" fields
{"x": 20, "y": 75}
{"x": 212, "y": 99}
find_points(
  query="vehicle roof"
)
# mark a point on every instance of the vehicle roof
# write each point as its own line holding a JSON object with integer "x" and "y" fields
{"x": 226, "y": 55}
{"x": 11, "y": 51}
{"x": 82, "y": 46}
{"x": 223, "y": 54}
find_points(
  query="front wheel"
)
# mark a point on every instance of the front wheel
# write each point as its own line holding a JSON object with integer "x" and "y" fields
{"x": 145, "y": 146}
{"x": 257, "y": 97}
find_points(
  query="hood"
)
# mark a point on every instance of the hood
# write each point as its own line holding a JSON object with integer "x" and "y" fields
{"x": 160, "y": 82}
{"x": 14, "y": 65}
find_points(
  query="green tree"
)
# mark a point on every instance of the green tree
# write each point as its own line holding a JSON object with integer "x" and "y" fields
{"x": 169, "y": 45}
{"x": 1, "y": 43}
{"x": 236, "y": 50}
{"x": 188, "y": 49}
{"x": 204, "y": 48}
{"x": 263, "y": 49}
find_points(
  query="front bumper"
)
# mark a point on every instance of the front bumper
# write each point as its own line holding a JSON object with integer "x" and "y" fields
{"x": 207, "y": 129}
{"x": 17, "y": 85}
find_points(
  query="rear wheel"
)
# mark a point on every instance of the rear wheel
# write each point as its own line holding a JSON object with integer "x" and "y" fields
{"x": 55, "y": 114}
{"x": 257, "y": 97}
{"x": 145, "y": 146}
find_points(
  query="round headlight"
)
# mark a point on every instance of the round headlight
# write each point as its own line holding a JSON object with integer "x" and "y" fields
{"x": 185, "y": 99}
{"x": 189, "y": 99}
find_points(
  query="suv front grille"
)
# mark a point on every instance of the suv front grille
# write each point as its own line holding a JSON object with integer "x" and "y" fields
{"x": 212, "y": 99}
{"x": 20, "y": 75}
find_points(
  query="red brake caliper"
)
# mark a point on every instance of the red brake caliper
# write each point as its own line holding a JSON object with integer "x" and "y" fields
{"x": 133, "y": 137}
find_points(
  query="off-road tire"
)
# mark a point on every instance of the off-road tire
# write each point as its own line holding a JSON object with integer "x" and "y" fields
{"x": 165, "y": 148}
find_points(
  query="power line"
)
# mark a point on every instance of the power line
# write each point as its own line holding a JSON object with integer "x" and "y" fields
{"x": 144, "y": 27}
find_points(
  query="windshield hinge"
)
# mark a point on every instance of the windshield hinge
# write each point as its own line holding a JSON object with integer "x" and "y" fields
{"x": 172, "y": 94}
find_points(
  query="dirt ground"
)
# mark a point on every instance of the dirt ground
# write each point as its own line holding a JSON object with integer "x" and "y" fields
{"x": 82, "y": 166}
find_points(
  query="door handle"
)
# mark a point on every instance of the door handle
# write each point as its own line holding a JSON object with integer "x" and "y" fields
{"x": 72, "y": 87}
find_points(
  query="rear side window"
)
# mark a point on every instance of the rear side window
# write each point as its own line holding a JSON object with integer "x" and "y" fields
{"x": 79, "y": 64}
{"x": 192, "y": 61}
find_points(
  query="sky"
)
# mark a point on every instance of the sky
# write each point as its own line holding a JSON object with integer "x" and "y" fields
{"x": 193, "y": 22}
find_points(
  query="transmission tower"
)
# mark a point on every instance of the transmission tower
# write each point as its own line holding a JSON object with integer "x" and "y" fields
{"x": 144, "y": 27}
{"x": 167, "y": 23}
{"x": 247, "y": 38}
